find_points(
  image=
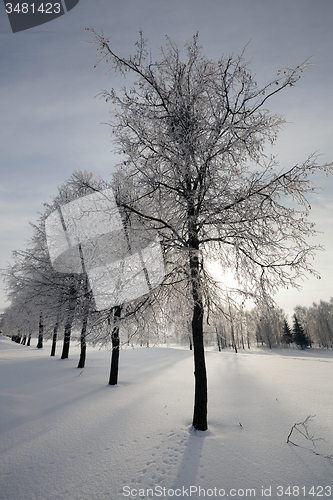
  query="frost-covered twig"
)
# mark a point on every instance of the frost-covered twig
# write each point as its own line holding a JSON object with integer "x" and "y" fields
{"x": 302, "y": 428}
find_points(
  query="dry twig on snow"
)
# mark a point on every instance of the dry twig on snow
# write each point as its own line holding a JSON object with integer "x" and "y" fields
{"x": 302, "y": 428}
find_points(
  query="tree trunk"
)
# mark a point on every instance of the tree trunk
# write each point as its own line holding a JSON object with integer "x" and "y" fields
{"x": 67, "y": 339}
{"x": 218, "y": 339}
{"x": 86, "y": 306}
{"x": 82, "y": 360}
{"x": 234, "y": 346}
{"x": 29, "y": 339}
{"x": 200, "y": 395}
{"x": 69, "y": 321}
{"x": 40, "y": 334}
{"x": 247, "y": 333}
{"x": 115, "y": 347}
{"x": 24, "y": 339}
{"x": 54, "y": 340}
{"x": 242, "y": 336}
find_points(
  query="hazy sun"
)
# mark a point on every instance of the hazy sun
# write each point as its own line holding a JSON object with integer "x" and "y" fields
{"x": 226, "y": 280}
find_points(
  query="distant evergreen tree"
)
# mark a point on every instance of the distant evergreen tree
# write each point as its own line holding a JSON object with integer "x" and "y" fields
{"x": 299, "y": 335}
{"x": 287, "y": 336}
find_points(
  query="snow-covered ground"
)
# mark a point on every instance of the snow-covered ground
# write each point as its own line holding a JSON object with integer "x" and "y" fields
{"x": 65, "y": 434}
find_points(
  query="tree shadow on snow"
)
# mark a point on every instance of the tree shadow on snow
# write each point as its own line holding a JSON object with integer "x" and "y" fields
{"x": 189, "y": 467}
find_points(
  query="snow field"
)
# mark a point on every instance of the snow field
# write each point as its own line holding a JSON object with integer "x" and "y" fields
{"x": 65, "y": 434}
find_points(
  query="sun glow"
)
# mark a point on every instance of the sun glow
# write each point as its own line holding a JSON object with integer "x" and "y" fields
{"x": 230, "y": 288}
{"x": 224, "y": 279}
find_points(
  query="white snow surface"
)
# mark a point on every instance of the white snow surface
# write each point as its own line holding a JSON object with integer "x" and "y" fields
{"x": 66, "y": 434}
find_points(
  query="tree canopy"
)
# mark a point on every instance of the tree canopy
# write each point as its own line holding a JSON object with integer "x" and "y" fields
{"x": 192, "y": 132}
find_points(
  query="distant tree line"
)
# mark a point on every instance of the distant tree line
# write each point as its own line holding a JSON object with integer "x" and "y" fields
{"x": 228, "y": 327}
{"x": 311, "y": 327}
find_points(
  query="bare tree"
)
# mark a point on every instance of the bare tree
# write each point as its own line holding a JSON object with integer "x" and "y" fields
{"x": 269, "y": 323}
{"x": 317, "y": 322}
{"x": 34, "y": 289}
{"x": 52, "y": 298}
{"x": 192, "y": 133}
{"x": 79, "y": 297}
{"x": 115, "y": 345}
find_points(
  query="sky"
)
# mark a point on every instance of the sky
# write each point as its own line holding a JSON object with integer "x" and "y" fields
{"x": 52, "y": 123}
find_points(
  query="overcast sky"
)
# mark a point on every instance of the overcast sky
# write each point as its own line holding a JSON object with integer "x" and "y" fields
{"x": 51, "y": 124}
